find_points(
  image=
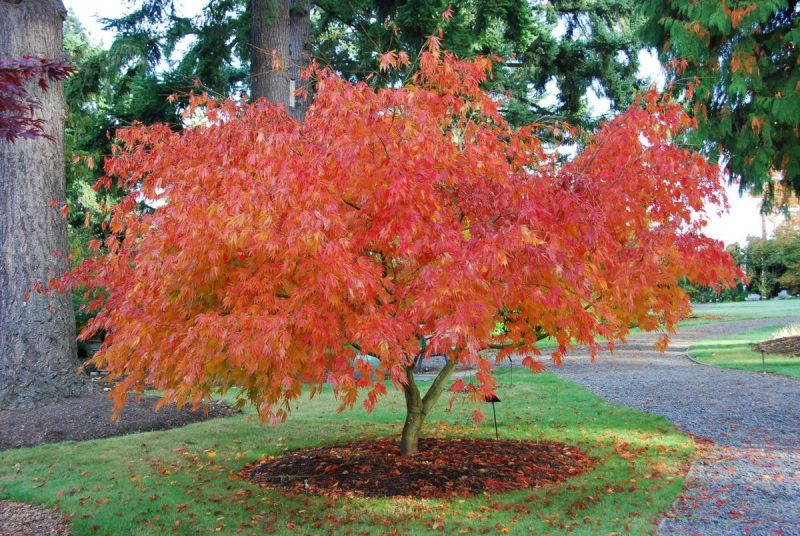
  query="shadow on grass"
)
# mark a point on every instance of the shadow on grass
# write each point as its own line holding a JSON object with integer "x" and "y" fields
{"x": 185, "y": 480}
{"x": 736, "y": 352}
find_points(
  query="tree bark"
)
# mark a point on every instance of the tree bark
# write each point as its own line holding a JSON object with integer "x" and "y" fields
{"x": 37, "y": 333}
{"x": 279, "y": 32}
{"x": 299, "y": 52}
{"x": 409, "y": 440}
{"x": 269, "y": 41}
{"x": 418, "y": 408}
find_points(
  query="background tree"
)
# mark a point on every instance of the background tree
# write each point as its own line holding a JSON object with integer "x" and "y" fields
{"x": 282, "y": 26}
{"x": 286, "y": 249}
{"x": 773, "y": 264}
{"x": 576, "y": 45}
{"x": 787, "y": 237}
{"x": 37, "y": 333}
{"x": 736, "y": 66}
{"x": 231, "y": 46}
{"x": 763, "y": 266}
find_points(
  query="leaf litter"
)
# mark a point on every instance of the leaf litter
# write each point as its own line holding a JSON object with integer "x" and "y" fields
{"x": 442, "y": 468}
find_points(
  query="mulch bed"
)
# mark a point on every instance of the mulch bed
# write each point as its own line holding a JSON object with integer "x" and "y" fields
{"x": 442, "y": 468}
{"x": 784, "y": 346}
{"x": 89, "y": 417}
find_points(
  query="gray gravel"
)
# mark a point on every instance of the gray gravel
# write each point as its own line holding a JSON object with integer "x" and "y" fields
{"x": 747, "y": 481}
{"x": 19, "y": 519}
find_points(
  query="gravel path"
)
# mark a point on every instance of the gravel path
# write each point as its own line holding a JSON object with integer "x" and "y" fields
{"x": 20, "y": 519}
{"x": 747, "y": 479}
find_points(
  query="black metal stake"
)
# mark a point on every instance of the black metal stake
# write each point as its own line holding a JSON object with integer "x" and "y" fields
{"x": 493, "y": 399}
{"x": 496, "y": 432}
{"x": 763, "y": 363}
{"x": 511, "y": 363}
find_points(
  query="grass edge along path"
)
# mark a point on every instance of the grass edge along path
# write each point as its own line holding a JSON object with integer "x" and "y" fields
{"x": 184, "y": 481}
{"x": 735, "y": 352}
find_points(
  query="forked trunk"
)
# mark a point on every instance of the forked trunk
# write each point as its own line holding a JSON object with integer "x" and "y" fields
{"x": 418, "y": 408}
{"x": 409, "y": 440}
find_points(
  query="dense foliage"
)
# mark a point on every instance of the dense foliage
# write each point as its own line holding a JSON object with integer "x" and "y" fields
{"x": 283, "y": 250}
{"x": 704, "y": 294}
{"x": 773, "y": 264}
{"x": 736, "y": 64}
{"x": 95, "y": 107}
{"x": 573, "y": 45}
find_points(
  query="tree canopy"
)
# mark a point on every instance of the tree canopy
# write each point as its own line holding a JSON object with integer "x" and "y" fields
{"x": 575, "y": 45}
{"x": 284, "y": 250}
{"x": 773, "y": 264}
{"x": 736, "y": 64}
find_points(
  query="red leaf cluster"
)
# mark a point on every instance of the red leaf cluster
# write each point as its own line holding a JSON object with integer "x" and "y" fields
{"x": 281, "y": 250}
{"x": 17, "y": 105}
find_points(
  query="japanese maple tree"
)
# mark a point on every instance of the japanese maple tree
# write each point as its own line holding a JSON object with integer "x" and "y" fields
{"x": 280, "y": 250}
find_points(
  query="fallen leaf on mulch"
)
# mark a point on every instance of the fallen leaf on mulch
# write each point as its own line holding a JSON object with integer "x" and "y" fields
{"x": 784, "y": 346}
{"x": 442, "y": 468}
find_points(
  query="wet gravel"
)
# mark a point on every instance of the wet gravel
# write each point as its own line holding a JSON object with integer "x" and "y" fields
{"x": 746, "y": 480}
{"x": 19, "y": 519}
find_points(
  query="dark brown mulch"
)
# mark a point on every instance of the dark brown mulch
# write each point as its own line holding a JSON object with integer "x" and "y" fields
{"x": 20, "y": 519}
{"x": 89, "y": 417}
{"x": 784, "y": 346}
{"x": 443, "y": 468}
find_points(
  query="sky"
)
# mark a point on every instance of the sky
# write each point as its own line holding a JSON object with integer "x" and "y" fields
{"x": 742, "y": 221}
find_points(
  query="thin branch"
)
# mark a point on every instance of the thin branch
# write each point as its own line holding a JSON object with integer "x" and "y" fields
{"x": 436, "y": 388}
{"x": 351, "y": 204}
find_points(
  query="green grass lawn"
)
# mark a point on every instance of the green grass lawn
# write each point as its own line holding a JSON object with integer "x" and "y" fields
{"x": 734, "y": 352}
{"x": 185, "y": 480}
{"x": 715, "y": 312}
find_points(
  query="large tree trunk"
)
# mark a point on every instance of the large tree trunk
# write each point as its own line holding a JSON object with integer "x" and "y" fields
{"x": 269, "y": 42}
{"x": 279, "y": 33}
{"x": 37, "y": 333}
{"x": 418, "y": 408}
{"x": 299, "y": 53}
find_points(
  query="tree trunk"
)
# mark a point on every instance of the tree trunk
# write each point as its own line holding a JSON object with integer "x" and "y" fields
{"x": 409, "y": 440}
{"x": 269, "y": 41}
{"x": 37, "y": 334}
{"x": 279, "y": 32}
{"x": 299, "y": 53}
{"x": 417, "y": 409}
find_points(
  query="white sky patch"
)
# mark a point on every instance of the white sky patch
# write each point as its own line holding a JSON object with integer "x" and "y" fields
{"x": 650, "y": 69}
{"x": 743, "y": 220}
{"x": 154, "y": 203}
{"x": 90, "y": 13}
